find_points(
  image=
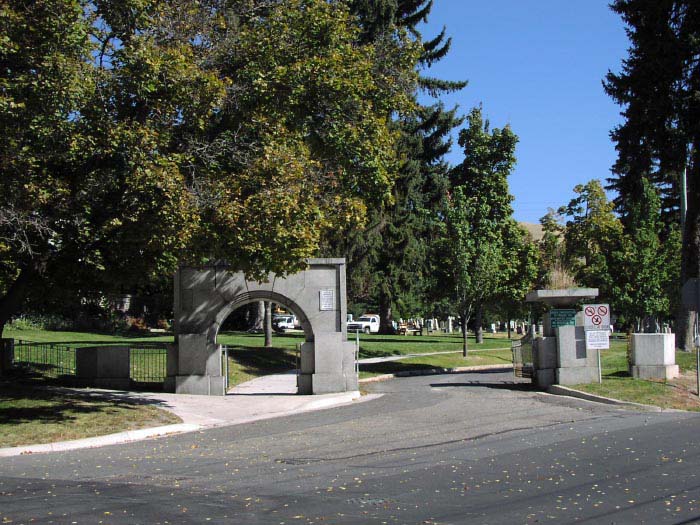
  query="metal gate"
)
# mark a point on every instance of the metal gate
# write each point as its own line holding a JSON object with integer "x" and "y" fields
{"x": 522, "y": 357}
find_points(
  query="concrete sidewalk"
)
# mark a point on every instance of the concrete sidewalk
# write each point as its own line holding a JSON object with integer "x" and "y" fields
{"x": 263, "y": 398}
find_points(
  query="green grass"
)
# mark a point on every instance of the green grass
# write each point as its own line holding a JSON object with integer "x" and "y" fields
{"x": 618, "y": 383}
{"x": 474, "y": 358}
{"x": 30, "y": 415}
{"x": 82, "y": 338}
{"x": 248, "y": 358}
{"x": 371, "y": 345}
{"x": 246, "y": 364}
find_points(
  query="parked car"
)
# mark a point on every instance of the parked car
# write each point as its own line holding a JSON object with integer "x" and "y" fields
{"x": 365, "y": 323}
{"x": 284, "y": 322}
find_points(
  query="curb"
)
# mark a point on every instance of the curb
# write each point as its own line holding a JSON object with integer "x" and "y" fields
{"x": 435, "y": 371}
{"x": 570, "y": 392}
{"x": 99, "y": 441}
{"x": 321, "y": 404}
{"x": 147, "y": 433}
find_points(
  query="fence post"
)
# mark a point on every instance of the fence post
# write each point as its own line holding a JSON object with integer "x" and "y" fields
{"x": 7, "y": 351}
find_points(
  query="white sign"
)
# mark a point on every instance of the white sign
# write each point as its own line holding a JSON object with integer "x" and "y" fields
{"x": 596, "y": 316}
{"x": 326, "y": 300}
{"x": 597, "y": 340}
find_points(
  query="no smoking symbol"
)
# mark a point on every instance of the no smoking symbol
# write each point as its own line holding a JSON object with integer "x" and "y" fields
{"x": 596, "y": 319}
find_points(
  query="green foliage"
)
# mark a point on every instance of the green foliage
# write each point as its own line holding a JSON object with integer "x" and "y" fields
{"x": 658, "y": 88}
{"x": 483, "y": 248}
{"x": 635, "y": 268}
{"x": 388, "y": 260}
{"x": 591, "y": 235}
{"x": 645, "y": 266}
{"x": 140, "y": 133}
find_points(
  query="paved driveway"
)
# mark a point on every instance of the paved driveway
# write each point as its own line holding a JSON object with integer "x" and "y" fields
{"x": 468, "y": 448}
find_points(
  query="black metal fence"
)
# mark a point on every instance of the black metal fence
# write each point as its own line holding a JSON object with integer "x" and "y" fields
{"x": 48, "y": 360}
{"x": 57, "y": 362}
{"x": 148, "y": 366}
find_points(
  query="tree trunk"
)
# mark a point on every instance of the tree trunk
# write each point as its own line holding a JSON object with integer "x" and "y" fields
{"x": 17, "y": 292}
{"x": 463, "y": 321}
{"x": 258, "y": 316}
{"x": 268, "y": 324}
{"x": 385, "y": 316}
{"x": 685, "y": 328}
{"x": 690, "y": 252}
{"x": 508, "y": 323}
{"x": 478, "y": 321}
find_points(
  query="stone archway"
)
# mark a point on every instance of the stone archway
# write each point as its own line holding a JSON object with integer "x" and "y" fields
{"x": 205, "y": 296}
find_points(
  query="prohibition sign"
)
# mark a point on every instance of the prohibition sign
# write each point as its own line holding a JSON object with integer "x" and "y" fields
{"x": 603, "y": 310}
{"x": 596, "y": 320}
{"x": 590, "y": 311}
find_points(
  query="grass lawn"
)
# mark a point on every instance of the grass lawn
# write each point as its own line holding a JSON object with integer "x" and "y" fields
{"x": 30, "y": 415}
{"x": 83, "y": 338}
{"x": 617, "y": 383}
{"x": 249, "y": 359}
{"x": 474, "y": 357}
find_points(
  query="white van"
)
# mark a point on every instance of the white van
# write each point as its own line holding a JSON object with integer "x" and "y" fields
{"x": 284, "y": 321}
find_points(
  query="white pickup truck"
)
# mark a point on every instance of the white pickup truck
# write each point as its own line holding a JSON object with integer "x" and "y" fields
{"x": 368, "y": 324}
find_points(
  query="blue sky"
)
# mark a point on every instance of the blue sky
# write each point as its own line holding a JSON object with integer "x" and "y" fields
{"x": 538, "y": 66}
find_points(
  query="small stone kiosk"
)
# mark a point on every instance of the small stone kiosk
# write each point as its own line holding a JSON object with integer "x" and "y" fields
{"x": 560, "y": 356}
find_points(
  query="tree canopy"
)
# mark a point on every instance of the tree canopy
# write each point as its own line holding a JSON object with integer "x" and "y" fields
{"x": 142, "y": 132}
{"x": 659, "y": 91}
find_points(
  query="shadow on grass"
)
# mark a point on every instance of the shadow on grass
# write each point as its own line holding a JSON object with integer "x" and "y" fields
{"x": 263, "y": 361}
{"x": 28, "y": 402}
{"x": 618, "y": 373}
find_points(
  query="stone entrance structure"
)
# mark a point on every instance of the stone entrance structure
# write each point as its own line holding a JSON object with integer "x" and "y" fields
{"x": 205, "y": 296}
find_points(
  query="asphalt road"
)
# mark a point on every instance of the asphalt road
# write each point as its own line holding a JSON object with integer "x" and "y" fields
{"x": 468, "y": 448}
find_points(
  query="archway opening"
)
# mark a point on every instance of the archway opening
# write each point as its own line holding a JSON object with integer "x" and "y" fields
{"x": 260, "y": 336}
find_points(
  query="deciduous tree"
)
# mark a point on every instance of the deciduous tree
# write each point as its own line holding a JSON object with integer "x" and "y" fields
{"x": 478, "y": 219}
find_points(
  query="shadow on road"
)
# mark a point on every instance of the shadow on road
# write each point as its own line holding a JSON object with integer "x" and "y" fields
{"x": 520, "y": 387}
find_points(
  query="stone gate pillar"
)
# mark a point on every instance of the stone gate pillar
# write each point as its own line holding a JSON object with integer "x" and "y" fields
{"x": 205, "y": 296}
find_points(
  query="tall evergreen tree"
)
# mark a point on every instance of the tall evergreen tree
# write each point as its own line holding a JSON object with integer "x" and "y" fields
{"x": 388, "y": 259}
{"x": 659, "y": 90}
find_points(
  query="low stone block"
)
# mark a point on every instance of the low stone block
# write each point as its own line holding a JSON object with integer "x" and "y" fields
{"x": 328, "y": 383}
{"x": 660, "y": 372}
{"x": 577, "y": 375}
{"x": 328, "y": 350}
{"x": 653, "y": 349}
{"x": 103, "y": 366}
{"x": 308, "y": 358}
{"x": 349, "y": 358}
{"x": 544, "y": 353}
{"x": 544, "y": 378}
{"x": 305, "y": 384}
{"x": 571, "y": 348}
{"x": 200, "y": 385}
{"x": 352, "y": 382}
{"x": 192, "y": 354}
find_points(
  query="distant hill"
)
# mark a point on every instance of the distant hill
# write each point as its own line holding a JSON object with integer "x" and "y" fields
{"x": 535, "y": 230}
